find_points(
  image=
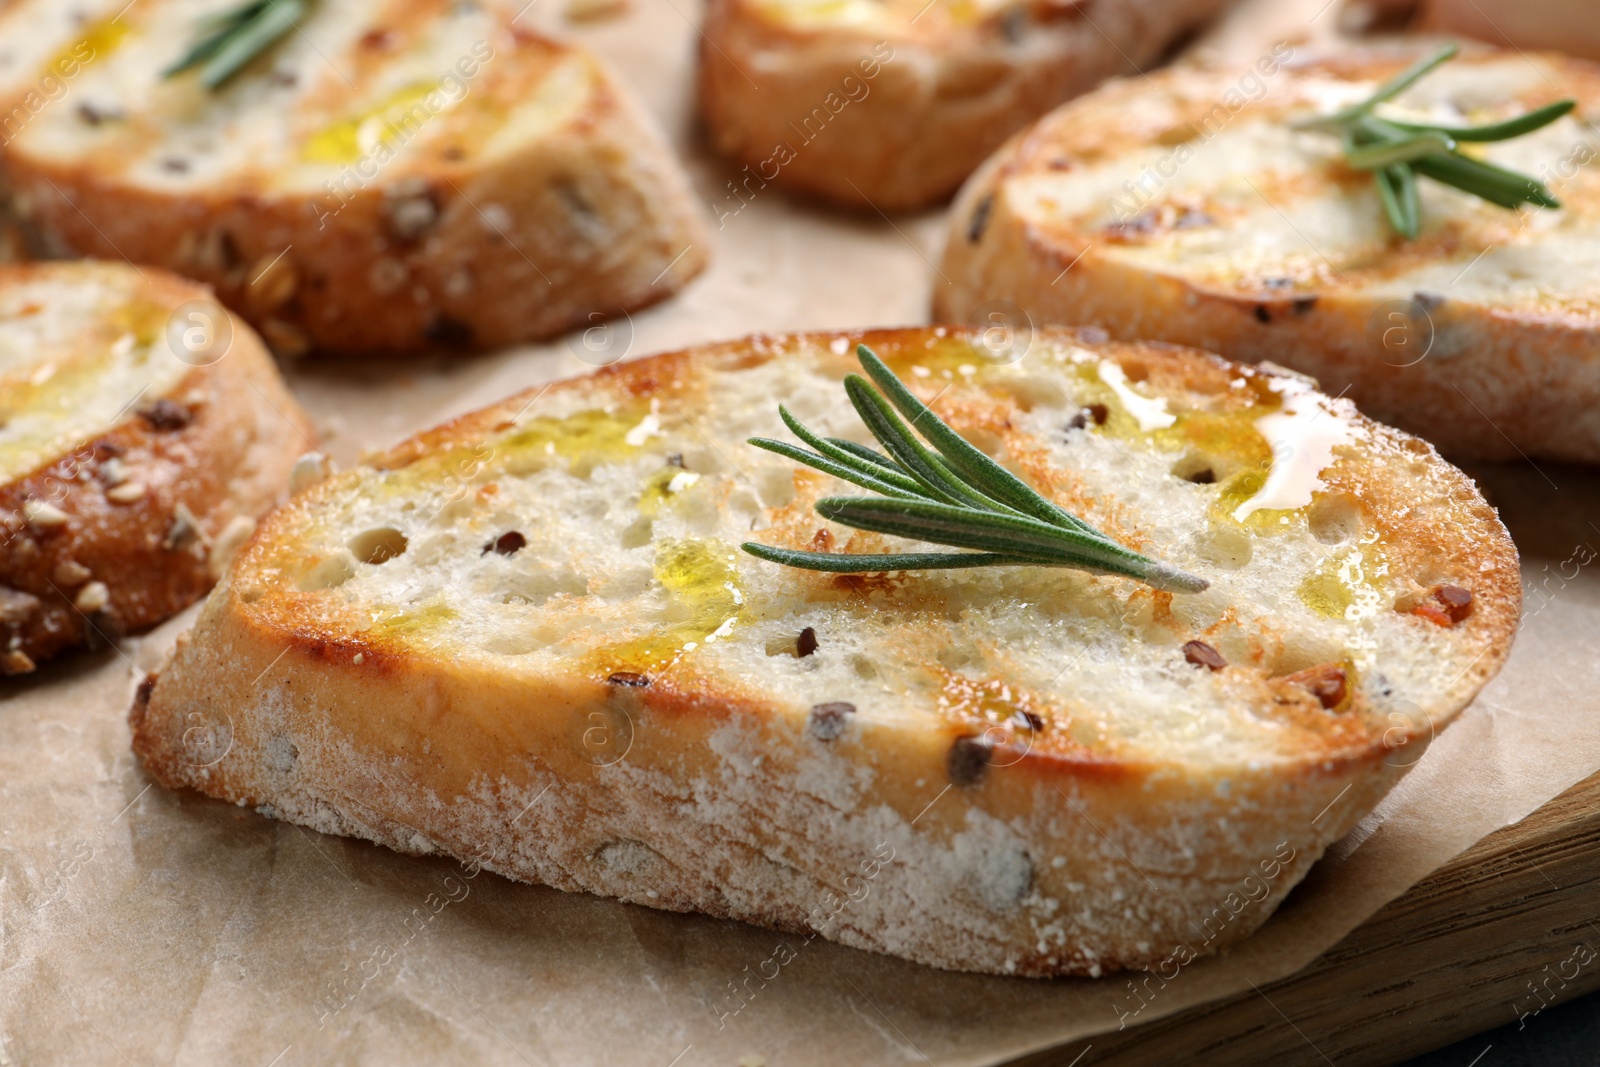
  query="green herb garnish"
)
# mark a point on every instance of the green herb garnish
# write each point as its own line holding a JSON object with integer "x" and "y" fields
{"x": 1398, "y": 153}
{"x": 229, "y": 40}
{"x": 951, "y": 494}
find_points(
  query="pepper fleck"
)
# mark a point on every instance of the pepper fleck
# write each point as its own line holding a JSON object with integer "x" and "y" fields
{"x": 166, "y": 414}
{"x": 980, "y": 219}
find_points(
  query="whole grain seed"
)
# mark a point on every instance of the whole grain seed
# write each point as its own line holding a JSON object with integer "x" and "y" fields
{"x": 1203, "y": 655}
{"x": 95, "y": 596}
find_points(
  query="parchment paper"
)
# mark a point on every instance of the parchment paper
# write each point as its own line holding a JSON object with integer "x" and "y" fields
{"x": 142, "y": 926}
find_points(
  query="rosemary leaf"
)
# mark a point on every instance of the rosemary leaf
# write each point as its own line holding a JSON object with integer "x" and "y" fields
{"x": 957, "y": 497}
{"x": 904, "y": 447}
{"x": 1398, "y": 152}
{"x": 1405, "y": 180}
{"x": 230, "y": 40}
{"x": 844, "y": 457}
{"x": 1504, "y": 187}
{"x": 1385, "y": 92}
{"x": 1498, "y": 131}
{"x": 1005, "y": 534}
{"x": 1380, "y": 154}
{"x": 838, "y": 470}
{"x": 977, "y": 468}
{"x": 1397, "y": 187}
{"x": 871, "y": 455}
{"x": 863, "y": 563}
{"x": 275, "y": 21}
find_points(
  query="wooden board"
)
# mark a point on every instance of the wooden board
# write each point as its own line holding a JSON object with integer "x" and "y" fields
{"x": 1480, "y": 941}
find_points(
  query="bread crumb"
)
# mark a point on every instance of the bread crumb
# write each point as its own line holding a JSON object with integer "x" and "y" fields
{"x": 112, "y": 472}
{"x": 126, "y": 493}
{"x": 228, "y": 543}
{"x": 308, "y": 470}
{"x": 43, "y": 515}
{"x": 71, "y": 573}
{"x": 92, "y": 598}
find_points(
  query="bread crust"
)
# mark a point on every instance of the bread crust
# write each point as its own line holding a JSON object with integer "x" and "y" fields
{"x": 216, "y": 458}
{"x": 896, "y": 117}
{"x": 692, "y": 789}
{"x": 1499, "y": 375}
{"x": 433, "y": 251}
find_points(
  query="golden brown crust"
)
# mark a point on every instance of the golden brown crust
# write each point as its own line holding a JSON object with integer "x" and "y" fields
{"x": 707, "y": 789}
{"x": 897, "y": 116}
{"x": 192, "y": 466}
{"x": 1499, "y": 372}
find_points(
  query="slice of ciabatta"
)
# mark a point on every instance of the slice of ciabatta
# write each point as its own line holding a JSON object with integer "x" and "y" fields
{"x": 528, "y": 638}
{"x": 394, "y": 174}
{"x": 142, "y": 430}
{"x": 1182, "y": 207}
{"x": 893, "y": 103}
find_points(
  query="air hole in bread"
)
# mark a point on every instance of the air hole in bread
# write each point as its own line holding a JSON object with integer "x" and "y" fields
{"x": 1194, "y": 467}
{"x": 1302, "y": 651}
{"x": 328, "y": 574}
{"x": 1225, "y": 549}
{"x": 799, "y": 645}
{"x": 959, "y": 657}
{"x": 637, "y": 533}
{"x": 379, "y": 545}
{"x": 1030, "y": 392}
{"x": 1334, "y": 518}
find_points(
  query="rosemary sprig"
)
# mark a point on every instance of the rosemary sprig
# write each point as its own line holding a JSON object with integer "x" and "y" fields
{"x": 950, "y": 494}
{"x": 229, "y": 40}
{"x": 1398, "y": 152}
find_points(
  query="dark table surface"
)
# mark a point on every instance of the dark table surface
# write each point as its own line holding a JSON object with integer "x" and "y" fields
{"x": 1563, "y": 1036}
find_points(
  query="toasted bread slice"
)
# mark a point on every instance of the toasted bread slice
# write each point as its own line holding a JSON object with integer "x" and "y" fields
{"x": 131, "y": 464}
{"x": 395, "y": 174}
{"x": 893, "y": 103}
{"x": 528, "y": 638}
{"x": 1176, "y": 208}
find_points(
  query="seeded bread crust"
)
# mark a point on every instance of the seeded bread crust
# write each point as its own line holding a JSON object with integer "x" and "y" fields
{"x": 1171, "y": 207}
{"x": 86, "y": 554}
{"x": 523, "y": 195}
{"x": 895, "y": 111}
{"x": 455, "y": 650}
